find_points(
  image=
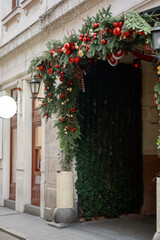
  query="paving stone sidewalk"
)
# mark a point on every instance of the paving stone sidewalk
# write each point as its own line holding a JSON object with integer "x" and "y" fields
{"x": 27, "y": 227}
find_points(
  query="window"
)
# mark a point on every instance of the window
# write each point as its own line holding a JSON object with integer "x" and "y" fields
{"x": 15, "y": 3}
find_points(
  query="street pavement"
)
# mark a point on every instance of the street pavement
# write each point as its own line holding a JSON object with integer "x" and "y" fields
{"x": 14, "y": 225}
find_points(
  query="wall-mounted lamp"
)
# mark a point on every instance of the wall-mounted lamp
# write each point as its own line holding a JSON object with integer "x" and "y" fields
{"x": 35, "y": 86}
{"x": 156, "y": 39}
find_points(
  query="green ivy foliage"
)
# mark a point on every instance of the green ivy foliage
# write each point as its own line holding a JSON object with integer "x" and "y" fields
{"x": 60, "y": 67}
{"x": 109, "y": 158}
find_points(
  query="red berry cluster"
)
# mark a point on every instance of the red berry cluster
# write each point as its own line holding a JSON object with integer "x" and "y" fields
{"x": 63, "y": 119}
{"x": 73, "y": 129}
{"x": 117, "y": 28}
{"x": 74, "y": 60}
{"x": 72, "y": 109}
{"x": 84, "y": 37}
{"x": 96, "y": 25}
{"x": 69, "y": 47}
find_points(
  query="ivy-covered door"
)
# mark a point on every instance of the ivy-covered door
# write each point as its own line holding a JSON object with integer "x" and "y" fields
{"x": 109, "y": 159}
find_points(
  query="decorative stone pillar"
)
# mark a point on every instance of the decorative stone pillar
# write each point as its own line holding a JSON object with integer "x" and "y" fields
{"x": 64, "y": 212}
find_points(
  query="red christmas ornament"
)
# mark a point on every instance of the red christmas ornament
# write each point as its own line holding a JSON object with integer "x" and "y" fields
{"x": 84, "y": 39}
{"x": 87, "y": 48}
{"x": 51, "y": 52}
{"x": 61, "y": 79}
{"x": 117, "y": 31}
{"x": 96, "y": 25}
{"x": 126, "y": 34}
{"x": 63, "y": 119}
{"x": 68, "y": 52}
{"x": 70, "y": 82}
{"x": 46, "y": 114}
{"x": 50, "y": 95}
{"x": 81, "y": 35}
{"x": 115, "y": 24}
{"x": 71, "y": 60}
{"x": 67, "y": 46}
{"x": 51, "y": 64}
{"x": 120, "y": 24}
{"x": 77, "y": 59}
{"x": 141, "y": 33}
{"x": 110, "y": 30}
{"x": 44, "y": 104}
{"x": 72, "y": 109}
{"x": 57, "y": 66}
{"x": 103, "y": 41}
{"x": 81, "y": 39}
{"x": 49, "y": 71}
{"x": 40, "y": 68}
{"x": 61, "y": 74}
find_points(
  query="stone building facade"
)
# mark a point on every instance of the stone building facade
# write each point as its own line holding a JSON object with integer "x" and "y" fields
{"x": 25, "y": 28}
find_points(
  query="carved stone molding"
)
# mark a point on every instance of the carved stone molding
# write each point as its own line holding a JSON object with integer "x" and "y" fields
{"x": 14, "y": 15}
{"x": 27, "y": 4}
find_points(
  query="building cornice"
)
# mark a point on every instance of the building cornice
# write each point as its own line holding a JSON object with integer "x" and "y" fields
{"x": 59, "y": 14}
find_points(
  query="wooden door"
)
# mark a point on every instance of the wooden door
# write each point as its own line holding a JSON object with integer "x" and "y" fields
{"x": 13, "y": 151}
{"x": 36, "y": 154}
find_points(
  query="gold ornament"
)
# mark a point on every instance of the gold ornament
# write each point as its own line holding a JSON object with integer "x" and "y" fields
{"x": 158, "y": 72}
{"x": 69, "y": 89}
{"x": 155, "y": 95}
{"x": 80, "y": 53}
{"x": 71, "y": 116}
{"x": 76, "y": 46}
{"x": 67, "y": 100}
{"x": 62, "y": 103}
{"x": 158, "y": 68}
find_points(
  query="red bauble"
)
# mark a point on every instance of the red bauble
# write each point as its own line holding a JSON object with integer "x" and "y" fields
{"x": 77, "y": 59}
{"x": 81, "y": 35}
{"x": 95, "y": 37}
{"x": 49, "y": 71}
{"x": 44, "y": 104}
{"x": 51, "y": 52}
{"x": 103, "y": 41}
{"x": 96, "y": 25}
{"x": 61, "y": 74}
{"x": 120, "y": 24}
{"x": 71, "y": 60}
{"x": 126, "y": 34}
{"x": 67, "y": 46}
{"x": 40, "y": 68}
{"x": 81, "y": 39}
{"x": 115, "y": 24}
{"x": 57, "y": 66}
{"x": 141, "y": 33}
{"x": 117, "y": 31}
{"x": 68, "y": 52}
{"x": 110, "y": 30}
{"x": 84, "y": 39}
{"x": 87, "y": 48}
{"x": 61, "y": 79}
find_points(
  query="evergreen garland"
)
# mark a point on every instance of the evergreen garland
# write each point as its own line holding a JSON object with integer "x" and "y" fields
{"x": 62, "y": 66}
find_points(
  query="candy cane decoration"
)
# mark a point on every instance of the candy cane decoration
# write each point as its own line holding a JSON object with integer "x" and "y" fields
{"x": 112, "y": 61}
{"x": 118, "y": 54}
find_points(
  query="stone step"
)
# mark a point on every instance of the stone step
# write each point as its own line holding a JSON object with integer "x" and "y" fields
{"x": 9, "y": 204}
{"x": 32, "y": 209}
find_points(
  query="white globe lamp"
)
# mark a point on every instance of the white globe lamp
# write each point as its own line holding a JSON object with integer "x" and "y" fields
{"x": 8, "y": 107}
